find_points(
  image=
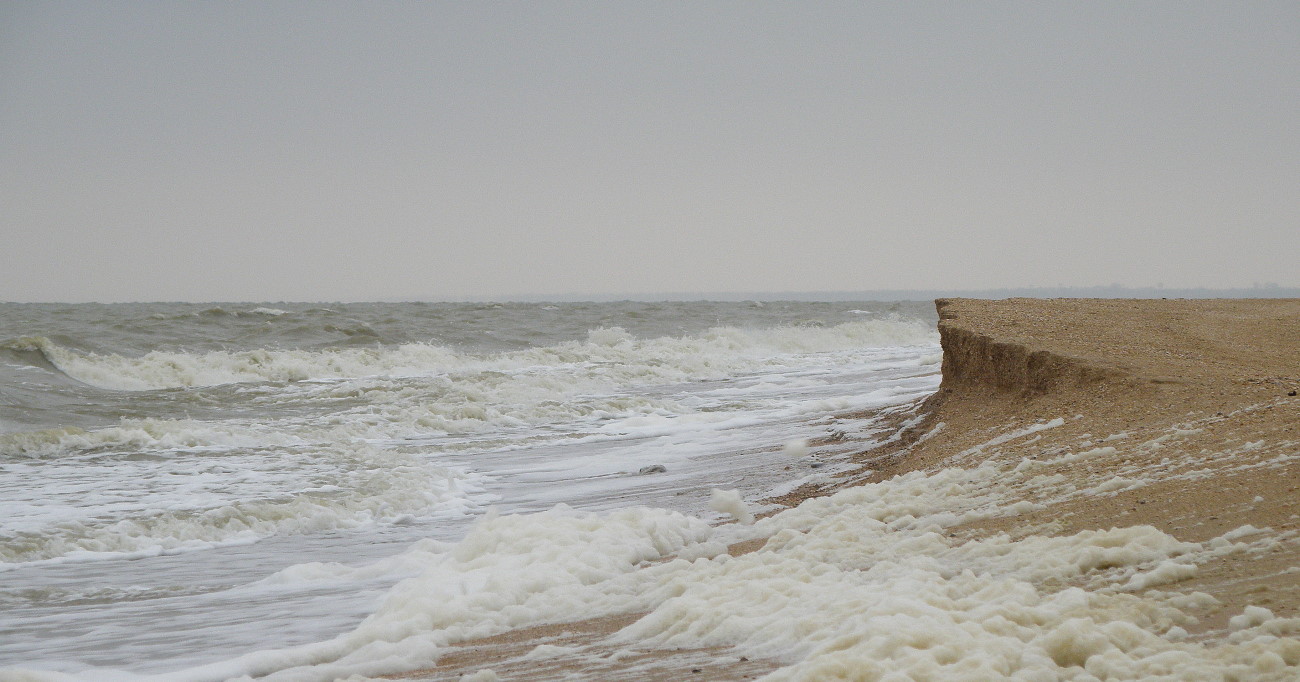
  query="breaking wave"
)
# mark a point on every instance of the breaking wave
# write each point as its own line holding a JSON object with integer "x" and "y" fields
{"x": 711, "y": 354}
{"x": 135, "y": 434}
{"x": 356, "y": 487}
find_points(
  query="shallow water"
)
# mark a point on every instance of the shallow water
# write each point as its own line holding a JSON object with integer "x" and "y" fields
{"x": 186, "y": 484}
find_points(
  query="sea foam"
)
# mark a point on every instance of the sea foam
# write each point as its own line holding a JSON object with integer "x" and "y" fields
{"x": 862, "y": 582}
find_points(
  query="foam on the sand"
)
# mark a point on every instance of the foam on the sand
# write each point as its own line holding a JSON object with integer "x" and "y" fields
{"x": 865, "y": 584}
{"x": 729, "y": 502}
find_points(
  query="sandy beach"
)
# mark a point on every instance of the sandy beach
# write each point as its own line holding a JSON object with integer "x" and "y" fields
{"x": 1175, "y": 415}
{"x": 1196, "y": 385}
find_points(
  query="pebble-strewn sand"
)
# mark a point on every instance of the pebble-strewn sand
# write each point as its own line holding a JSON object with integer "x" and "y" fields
{"x": 1181, "y": 415}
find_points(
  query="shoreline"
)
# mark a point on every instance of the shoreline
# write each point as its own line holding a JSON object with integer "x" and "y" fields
{"x": 1178, "y": 416}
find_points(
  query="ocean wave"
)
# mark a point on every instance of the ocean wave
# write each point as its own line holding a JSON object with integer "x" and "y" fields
{"x": 712, "y": 354}
{"x": 365, "y": 487}
{"x": 169, "y": 369}
{"x": 29, "y": 351}
{"x": 317, "y": 397}
{"x": 134, "y": 434}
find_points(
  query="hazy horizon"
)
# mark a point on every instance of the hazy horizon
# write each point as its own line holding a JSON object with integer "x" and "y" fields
{"x": 1258, "y": 290}
{"x": 345, "y": 151}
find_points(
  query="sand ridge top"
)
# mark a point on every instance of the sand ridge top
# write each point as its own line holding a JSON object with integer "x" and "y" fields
{"x": 1034, "y": 345}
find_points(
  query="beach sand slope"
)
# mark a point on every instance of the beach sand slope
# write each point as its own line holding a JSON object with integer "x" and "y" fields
{"x": 1197, "y": 399}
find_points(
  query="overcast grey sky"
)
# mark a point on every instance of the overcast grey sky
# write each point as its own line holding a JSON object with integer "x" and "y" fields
{"x": 329, "y": 150}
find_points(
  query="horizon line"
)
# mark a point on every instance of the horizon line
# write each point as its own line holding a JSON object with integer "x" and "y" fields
{"x": 1268, "y": 290}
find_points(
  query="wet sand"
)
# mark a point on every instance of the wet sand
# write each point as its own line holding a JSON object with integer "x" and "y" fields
{"x": 1197, "y": 398}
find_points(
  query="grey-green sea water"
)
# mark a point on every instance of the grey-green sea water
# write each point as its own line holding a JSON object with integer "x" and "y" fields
{"x": 173, "y": 475}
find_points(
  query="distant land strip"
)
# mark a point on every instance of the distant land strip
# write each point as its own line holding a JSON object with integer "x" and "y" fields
{"x": 1266, "y": 290}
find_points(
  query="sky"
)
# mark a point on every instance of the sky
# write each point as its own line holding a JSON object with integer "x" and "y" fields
{"x": 216, "y": 151}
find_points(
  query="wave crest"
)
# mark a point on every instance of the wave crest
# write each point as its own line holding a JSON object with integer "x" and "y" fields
{"x": 719, "y": 349}
{"x": 365, "y": 487}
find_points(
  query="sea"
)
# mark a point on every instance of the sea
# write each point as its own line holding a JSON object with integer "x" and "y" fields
{"x": 208, "y": 491}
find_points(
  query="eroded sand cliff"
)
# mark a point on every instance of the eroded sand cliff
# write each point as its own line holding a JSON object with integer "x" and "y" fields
{"x": 1197, "y": 398}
